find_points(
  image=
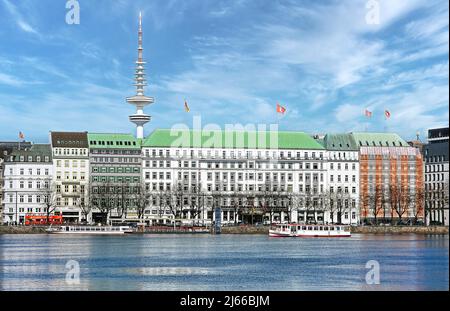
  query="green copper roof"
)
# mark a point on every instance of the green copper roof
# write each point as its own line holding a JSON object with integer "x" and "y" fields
{"x": 230, "y": 139}
{"x": 379, "y": 139}
{"x": 113, "y": 141}
{"x": 340, "y": 142}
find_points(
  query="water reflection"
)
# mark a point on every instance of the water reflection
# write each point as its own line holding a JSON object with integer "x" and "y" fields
{"x": 223, "y": 262}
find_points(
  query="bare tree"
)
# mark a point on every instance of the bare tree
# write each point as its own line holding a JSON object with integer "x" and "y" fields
{"x": 308, "y": 201}
{"x": 268, "y": 199}
{"x": 195, "y": 200}
{"x": 419, "y": 202}
{"x": 400, "y": 200}
{"x": 83, "y": 201}
{"x": 141, "y": 199}
{"x": 173, "y": 199}
{"x": 49, "y": 191}
{"x": 103, "y": 198}
{"x": 122, "y": 196}
{"x": 377, "y": 200}
{"x": 329, "y": 203}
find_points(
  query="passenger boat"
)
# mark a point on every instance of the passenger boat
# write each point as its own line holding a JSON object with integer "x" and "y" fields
{"x": 90, "y": 229}
{"x": 309, "y": 231}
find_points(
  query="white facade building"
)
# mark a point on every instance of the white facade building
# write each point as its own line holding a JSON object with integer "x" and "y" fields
{"x": 27, "y": 179}
{"x": 342, "y": 170}
{"x": 70, "y": 151}
{"x": 285, "y": 182}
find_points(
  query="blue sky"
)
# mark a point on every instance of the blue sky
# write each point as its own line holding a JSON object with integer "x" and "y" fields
{"x": 232, "y": 61}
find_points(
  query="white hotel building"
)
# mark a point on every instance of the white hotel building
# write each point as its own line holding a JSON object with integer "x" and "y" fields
{"x": 282, "y": 176}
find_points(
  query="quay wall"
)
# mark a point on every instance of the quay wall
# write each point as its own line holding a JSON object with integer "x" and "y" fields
{"x": 401, "y": 229}
{"x": 265, "y": 230}
{"x": 360, "y": 229}
{"x": 21, "y": 230}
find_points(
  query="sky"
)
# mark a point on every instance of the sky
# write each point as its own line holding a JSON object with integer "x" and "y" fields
{"x": 232, "y": 61}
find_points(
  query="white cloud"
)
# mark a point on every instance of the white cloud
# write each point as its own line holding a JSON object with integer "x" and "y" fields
{"x": 10, "y": 80}
{"x": 19, "y": 19}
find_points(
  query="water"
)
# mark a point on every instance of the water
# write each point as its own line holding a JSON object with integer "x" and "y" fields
{"x": 223, "y": 262}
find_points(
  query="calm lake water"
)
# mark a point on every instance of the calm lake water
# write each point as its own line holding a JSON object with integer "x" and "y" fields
{"x": 223, "y": 262}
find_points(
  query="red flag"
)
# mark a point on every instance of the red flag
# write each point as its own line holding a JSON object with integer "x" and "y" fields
{"x": 280, "y": 109}
{"x": 368, "y": 113}
{"x": 387, "y": 114}
{"x": 21, "y": 136}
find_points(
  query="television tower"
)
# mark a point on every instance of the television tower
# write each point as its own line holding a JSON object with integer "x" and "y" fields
{"x": 140, "y": 100}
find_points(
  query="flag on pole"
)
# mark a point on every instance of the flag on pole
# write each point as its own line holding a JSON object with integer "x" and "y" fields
{"x": 368, "y": 113}
{"x": 387, "y": 114}
{"x": 21, "y": 136}
{"x": 186, "y": 107}
{"x": 280, "y": 109}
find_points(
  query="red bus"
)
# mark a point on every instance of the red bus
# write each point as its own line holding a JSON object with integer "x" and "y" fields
{"x": 32, "y": 220}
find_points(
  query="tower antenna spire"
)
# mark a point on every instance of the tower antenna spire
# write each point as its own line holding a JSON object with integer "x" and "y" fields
{"x": 140, "y": 100}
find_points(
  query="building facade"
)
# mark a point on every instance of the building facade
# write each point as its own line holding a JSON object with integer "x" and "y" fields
{"x": 437, "y": 176}
{"x": 70, "y": 152}
{"x": 391, "y": 179}
{"x": 115, "y": 177}
{"x": 279, "y": 177}
{"x": 185, "y": 176}
{"x": 342, "y": 199}
{"x": 27, "y": 179}
{"x": 6, "y": 149}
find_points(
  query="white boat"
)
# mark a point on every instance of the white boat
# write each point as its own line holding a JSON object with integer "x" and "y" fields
{"x": 309, "y": 231}
{"x": 90, "y": 230}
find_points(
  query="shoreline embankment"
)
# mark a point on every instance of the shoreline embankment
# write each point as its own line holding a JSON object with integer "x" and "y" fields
{"x": 265, "y": 230}
{"x": 358, "y": 229}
